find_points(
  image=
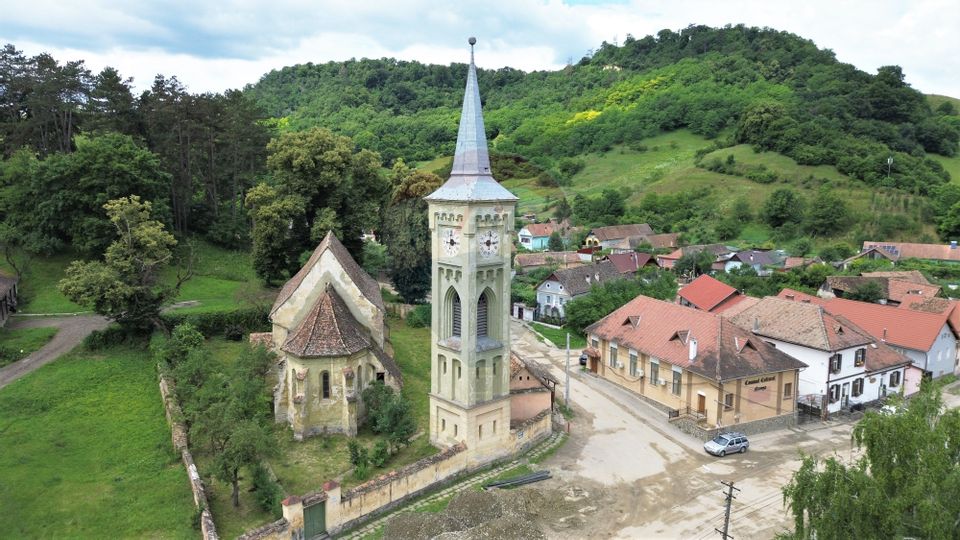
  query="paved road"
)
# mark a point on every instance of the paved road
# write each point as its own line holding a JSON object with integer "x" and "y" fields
{"x": 71, "y": 333}
{"x": 648, "y": 480}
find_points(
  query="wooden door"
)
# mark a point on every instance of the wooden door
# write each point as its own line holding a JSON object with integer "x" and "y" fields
{"x": 701, "y": 404}
{"x": 315, "y": 520}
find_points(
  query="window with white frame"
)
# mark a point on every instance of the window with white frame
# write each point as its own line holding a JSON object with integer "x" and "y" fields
{"x": 633, "y": 363}
{"x": 594, "y": 343}
{"x": 677, "y": 382}
{"x": 613, "y": 355}
{"x": 834, "y": 393}
{"x": 787, "y": 390}
{"x": 654, "y": 371}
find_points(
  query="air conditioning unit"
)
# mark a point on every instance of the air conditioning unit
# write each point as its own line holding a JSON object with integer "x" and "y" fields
{"x": 663, "y": 382}
{"x": 619, "y": 365}
{"x": 640, "y": 373}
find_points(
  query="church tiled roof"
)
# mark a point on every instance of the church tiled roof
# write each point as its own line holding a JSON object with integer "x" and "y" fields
{"x": 328, "y": 330}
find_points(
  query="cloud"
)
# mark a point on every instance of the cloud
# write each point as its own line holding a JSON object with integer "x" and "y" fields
{"x": 212, "y": 46}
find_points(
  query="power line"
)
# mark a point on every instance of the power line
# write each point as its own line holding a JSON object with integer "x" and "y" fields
{"x": 726, "y": 517}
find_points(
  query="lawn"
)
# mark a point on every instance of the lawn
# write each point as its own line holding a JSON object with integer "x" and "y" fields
{"x": 559, "y": 337}
{"x": 18, "y": 344}
{"x": 223, "y": 279}
{"x": 85, "y": 452}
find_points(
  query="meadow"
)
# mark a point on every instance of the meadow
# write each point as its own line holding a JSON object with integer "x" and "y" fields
{"x": 85, "y": 451}
{"x": 17, "y": 344}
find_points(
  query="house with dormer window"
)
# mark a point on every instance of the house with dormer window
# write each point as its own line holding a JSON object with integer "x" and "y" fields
{"x": 698, "y": 367}
{"x": 846, "y": 365}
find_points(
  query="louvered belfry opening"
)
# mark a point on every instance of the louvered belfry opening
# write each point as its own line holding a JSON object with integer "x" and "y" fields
{"x": 456, "y": 315}
{"x": 482, "y": 309}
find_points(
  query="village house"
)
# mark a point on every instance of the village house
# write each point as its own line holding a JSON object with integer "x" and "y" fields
{"x": 799, "y": 262}
{"x": 721, "y": 253}
{"x": 562, "y": 286}
{"x": 526, "y": 262}
{"x": 532, "y": 389}
{"x": 613, "y": 235}
{"x": 895, "y": 289}
{"x": 651, "y": 241}
{"x": 8, "y": 297}
{"x": 630, "y": 263}
{"x": 709, "y": 294}
{"x": 846, "y": 365}
{"x": 329, "y": 332}
{"x": 872, "y": 253}
{"x": 536, "y": 236}
{"x": 927, "y": 338}
{"x": 896, "y": 251}
{"x": 761, "y": 262}
{"x": 706, "y": 372}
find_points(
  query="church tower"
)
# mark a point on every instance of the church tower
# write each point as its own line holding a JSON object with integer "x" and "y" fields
{"x": 471, "y": 226}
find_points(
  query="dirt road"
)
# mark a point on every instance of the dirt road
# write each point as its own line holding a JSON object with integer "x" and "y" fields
{"x": 71, "y": 332}
{"x": 641, "y": 478}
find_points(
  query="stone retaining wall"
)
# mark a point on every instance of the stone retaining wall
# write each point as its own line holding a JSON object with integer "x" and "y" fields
{"x": 179, "y": 436}
{"x": 691, "y": 427}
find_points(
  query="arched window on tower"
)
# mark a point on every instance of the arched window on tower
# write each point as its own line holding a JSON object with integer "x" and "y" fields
{"x": 325, "y": 382}
{"x": 456, "y": 315}
{"x": 482, "y": 312}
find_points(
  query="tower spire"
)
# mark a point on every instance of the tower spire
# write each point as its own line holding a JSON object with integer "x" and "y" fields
{"x": 471, "y": 177}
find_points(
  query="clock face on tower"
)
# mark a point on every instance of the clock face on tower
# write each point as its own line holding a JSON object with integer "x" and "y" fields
{"x": 450, "y": 241}
{"x": 489, "y": 244}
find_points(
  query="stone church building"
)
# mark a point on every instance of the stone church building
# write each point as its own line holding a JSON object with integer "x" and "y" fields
{"x": 329, "y": 331}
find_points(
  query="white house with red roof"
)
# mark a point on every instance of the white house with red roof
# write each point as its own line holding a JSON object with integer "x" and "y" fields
{"x": 847, "y": 365}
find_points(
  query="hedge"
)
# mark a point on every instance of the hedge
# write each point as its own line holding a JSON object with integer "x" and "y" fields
{"x": 217, "y": 323}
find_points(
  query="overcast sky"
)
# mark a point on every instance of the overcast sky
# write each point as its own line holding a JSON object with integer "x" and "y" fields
{"x": 229, "y": 43}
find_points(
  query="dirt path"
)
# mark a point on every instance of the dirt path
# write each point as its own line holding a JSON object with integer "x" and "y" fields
{"x": 71, "y": 332}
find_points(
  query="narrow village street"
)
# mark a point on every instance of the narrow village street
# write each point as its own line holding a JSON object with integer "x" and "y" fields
{"x": 635, "y": 476}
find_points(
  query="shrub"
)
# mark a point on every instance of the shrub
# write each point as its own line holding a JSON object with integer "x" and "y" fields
{"x": 233, "y": 332}
{"x": 215, "y": 323}
{"x": 113, "y": 336}
{"x": 267, "y": 491}
{"x": 420, "y": 316}
{"x": 380, "y": 454}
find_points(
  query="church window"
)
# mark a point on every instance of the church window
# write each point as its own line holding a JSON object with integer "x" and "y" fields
{"x": 494, "y": 426}
{"x": 456, "y": 315}
{"x": 455, "y": 426}
{"x": 326, "y": 384}
{"x": 480, "y": 431}
{"x": 381, "y": 376}
{"x": 443, "y": 424}
{"x": 482, "y": 311}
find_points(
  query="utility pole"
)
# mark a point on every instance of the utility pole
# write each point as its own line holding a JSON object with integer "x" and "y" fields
{"x": 566, "y": 385}
{"x": 726, "y": 517}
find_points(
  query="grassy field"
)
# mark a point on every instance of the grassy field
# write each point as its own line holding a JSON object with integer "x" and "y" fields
{"x": 223, "y": 279}
{"x": 951, "y": 164}
{"x": 18, "y": 344}
{"x": 559, "y": 337}
{"x": 85, "y": 452}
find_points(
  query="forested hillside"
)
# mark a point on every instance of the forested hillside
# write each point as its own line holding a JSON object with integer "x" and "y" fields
{"x": 770, "y": 89}
{"x": 725, "y": 134}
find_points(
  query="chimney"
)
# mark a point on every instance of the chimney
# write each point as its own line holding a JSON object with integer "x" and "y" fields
{"x": 693, "y": 349}
{"x": 884, "y": 338}
{"x": 790, "y": 297}
{"x": 756, "y": 324}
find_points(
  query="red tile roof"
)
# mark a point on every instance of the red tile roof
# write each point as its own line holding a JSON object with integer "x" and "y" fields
{"x": 616, "y": 232}
{"x": 790, "y": 294}
{"x": 803, "y": 324}
{"x": 917, "y": 330}
{"x": 540, "y": 229}
{"x": 628, "y": 263}
{"x": 937, "y": 305}
{"x": 546, "y": 258}
{"x": 667, "y": 331}
{"x": 707, "y": 293}
{"x": 907, "y": 250}
{"x": 329, "y": 329}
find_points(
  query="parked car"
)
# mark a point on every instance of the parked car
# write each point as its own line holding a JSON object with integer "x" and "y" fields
{"x": 727, "y": 443}
{"x": 583, "y": 359}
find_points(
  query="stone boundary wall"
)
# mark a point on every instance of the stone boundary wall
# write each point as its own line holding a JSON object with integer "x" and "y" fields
{"x": 691, "y": 427}
{"x": 179, "y": 436}
{"x": 398, "y": 309}
{"x": 531, "y": 431}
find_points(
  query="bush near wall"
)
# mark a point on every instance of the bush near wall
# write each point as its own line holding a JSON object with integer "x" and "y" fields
{"x": 210, "y": 324}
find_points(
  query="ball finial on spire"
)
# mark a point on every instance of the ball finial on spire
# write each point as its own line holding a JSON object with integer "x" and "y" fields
{"x": 472, "y": 41}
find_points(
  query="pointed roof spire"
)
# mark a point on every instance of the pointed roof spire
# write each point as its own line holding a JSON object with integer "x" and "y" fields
{"x": 470, "y": 177}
